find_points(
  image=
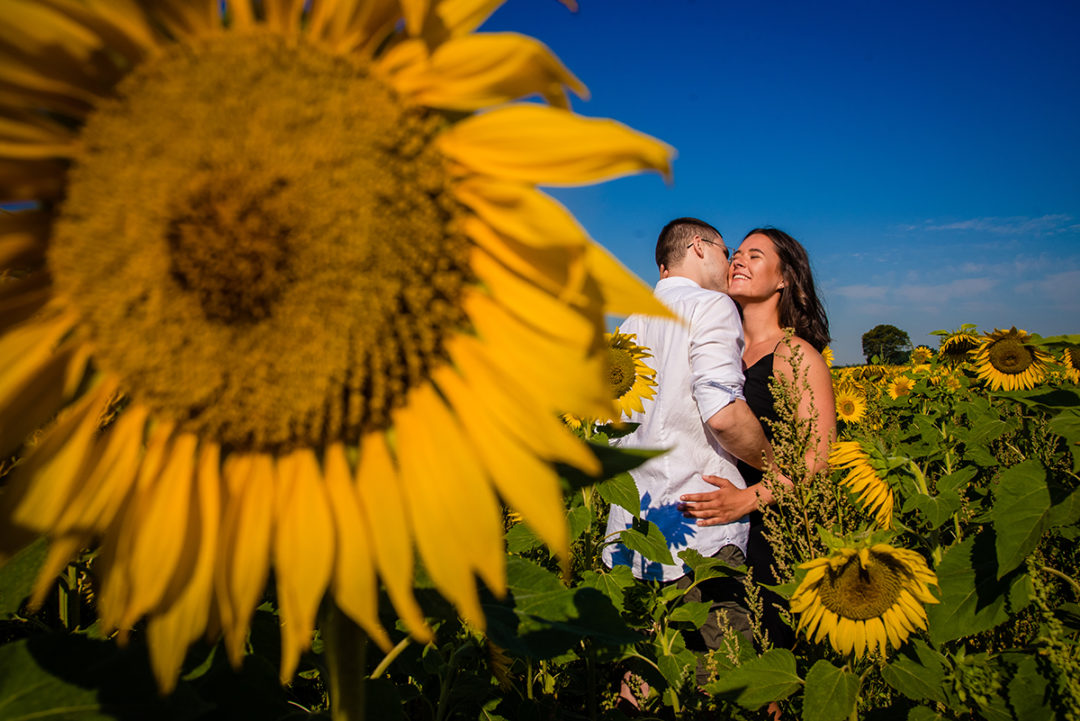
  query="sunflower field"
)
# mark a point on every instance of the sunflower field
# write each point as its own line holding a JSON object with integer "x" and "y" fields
{"x": 306, "y": 408}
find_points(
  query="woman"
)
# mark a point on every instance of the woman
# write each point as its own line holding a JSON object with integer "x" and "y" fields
{"x": 770, "y": 279}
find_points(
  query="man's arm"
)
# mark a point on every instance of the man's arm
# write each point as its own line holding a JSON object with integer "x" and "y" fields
{"x": 739, "y": 432}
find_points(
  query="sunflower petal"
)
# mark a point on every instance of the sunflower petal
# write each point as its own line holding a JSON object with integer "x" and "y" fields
{"x": 623, "y": 292}
{"x": 354, "y": 587}
{"x": 378, "y": 486}
{"x": 548, "y": 146}
{"x": 450, "y": 18}
{"x": 476, "y": 71}
{"x": 303, "y": 551}
{"x": 171, "y": 632}
{"x": 243, "y": 561}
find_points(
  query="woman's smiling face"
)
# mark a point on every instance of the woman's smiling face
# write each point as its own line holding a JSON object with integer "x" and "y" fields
{"x": 755, "y": 272}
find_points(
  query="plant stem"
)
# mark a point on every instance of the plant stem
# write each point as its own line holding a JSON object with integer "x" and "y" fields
{"x": 390, "y": 656}
{"x": 1059, "y": 574}
{"x": 346, "y": 657}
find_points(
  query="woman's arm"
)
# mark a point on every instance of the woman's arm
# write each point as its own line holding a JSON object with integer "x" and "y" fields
{"x": 816, "y": 402}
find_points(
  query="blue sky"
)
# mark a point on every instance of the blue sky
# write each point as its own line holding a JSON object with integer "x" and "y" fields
{"x": 925, "y": 153}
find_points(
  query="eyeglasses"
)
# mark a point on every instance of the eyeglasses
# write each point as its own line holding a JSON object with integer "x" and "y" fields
{"x": 727, "y": 253}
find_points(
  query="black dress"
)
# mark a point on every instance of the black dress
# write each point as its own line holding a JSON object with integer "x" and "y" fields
{"x": 759, "y": 555}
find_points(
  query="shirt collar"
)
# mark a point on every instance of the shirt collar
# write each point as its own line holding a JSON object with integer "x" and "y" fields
{"x": 675, "y": 281}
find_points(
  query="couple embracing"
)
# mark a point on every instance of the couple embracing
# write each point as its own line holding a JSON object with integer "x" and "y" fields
{"x": 745, "y": 316}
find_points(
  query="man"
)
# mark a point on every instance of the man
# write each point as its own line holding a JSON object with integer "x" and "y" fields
{"x": 698, "y": 414}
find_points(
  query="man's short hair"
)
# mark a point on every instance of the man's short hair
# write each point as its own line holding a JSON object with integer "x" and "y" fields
{"x": 676, "y": 235}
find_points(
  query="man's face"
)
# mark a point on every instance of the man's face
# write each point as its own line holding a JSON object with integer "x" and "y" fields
{"x": 715, "y": 262}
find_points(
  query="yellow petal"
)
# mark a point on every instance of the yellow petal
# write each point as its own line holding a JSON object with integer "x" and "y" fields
{"x": 526, "y": 483}
{"x": 283, "y": 15}
{"x": 171, "y": 631}
{"x": 243, "y": 561}
{"x": 111, "y": 471}
{"x": 117, "y": 583}
{"x": 189, "y": 18}
{"x": 354, "y": 586}
{"x": 477, "y": 71}
{"x": 521, "y": 212}
{"x": 415, "y": 12}
{"x": 559, "y": 270}
{"x": 538, "y": 144}
{"x": 121, "y": 24}
{"x": 451, "y": 18}
{"x": 303, "y": 551}
{"x": 40, "y": 488}
{"x": 378, "y": 487}
{"x": 510, "y": 404}
{"x": 537, "y": 308}
{"x": 159, "y": 540}
{"x": 623, "y": 292}
{"x": 447, "y": 497}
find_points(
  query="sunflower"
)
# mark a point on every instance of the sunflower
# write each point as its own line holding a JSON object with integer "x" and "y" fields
{"x": 1072, "y": 364}
{"x": 1008, "y": 362}
{"x": 956, "y": 347}
{"x": 865, "y": 477}
{"x": 630, "y": 380}
{"x": 900, "y": 386}
{"x": 921, "y": 356}
{"x": 862, "y": 597}
{"x": 827, "y": 356}
{"x": 342, "y": 318}
{"x": 850, "y": 404}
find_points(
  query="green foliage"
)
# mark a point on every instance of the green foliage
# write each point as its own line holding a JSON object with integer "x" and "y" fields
{"x": 985, "y": 488}
{"x": 887, "y": 343}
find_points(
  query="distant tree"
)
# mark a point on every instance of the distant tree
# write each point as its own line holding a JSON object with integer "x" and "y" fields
{"x": 890, "y": 344}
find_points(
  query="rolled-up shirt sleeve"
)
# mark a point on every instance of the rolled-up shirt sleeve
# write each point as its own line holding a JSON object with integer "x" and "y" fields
{"x": 716, "y": 347}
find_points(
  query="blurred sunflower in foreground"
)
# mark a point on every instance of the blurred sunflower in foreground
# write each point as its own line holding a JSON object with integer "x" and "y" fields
{"x": 865, "y": 478}
{"x": 1007, "y": 361}
{"x": 631, "y": 381}
{"x": 340, "y": 316}
{"x": 859, "y": 598}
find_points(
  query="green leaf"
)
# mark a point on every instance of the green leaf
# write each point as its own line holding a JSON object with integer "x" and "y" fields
{"x": 17, "y": 576}
{"x": 973, "y": 598}
{"x": 957, "y": 480}
{"x": 578, "y": 519}
{"x": 704, "y": 568}
{"x": 521, "y": 539}
{"x": 613, "y": 461}
{"x": 1028, "y": 692}
{"x": 1019, "y": 514}
{"x": 672, "y": 657}
{"x": 935, "y": 509}
{"x": 1067, "y": 425}
{"x": 611, "y": 583}
{"x": 922, "y": 713}
{"x": 651, "y": 543}
{"x": 768, "y": 678}
{"x": 61, "y": 677}
{"x": 620, "y": 490}
{"x": 693, "y": 612}
{"x": 830, "y": 693}
{"x": 918, "y": 673}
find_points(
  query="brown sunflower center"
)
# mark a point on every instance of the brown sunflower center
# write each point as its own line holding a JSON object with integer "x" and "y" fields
{"x": 622, "y": 372}
{"x": 860, "y": 592}
{"x": 1010, "y": 356}
{"x": 1072, "y": 356}
{"x": 259, "y": 238}
{"x": 847, "y": 407}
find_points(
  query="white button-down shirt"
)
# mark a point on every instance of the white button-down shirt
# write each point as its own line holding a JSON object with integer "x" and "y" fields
{"x": 698, "y": 368}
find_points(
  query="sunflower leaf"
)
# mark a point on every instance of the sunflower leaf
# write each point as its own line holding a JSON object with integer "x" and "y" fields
{"x": 647, "y": 539}
{"x": 765, "y": 679}
{"x": 973, "y": 597}
{"x": 935, "y": 509}
{"x": 918, "y": 673}
{"x": 1067, "y": 425}
{"x": 18, "y": 574}
{"x": 1020, "y": 513}
{"x": 620, "y": 490}
{"x": 830, "y": 693}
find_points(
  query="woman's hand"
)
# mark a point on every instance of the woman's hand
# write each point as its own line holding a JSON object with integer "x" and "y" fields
{"x": 726, "y": 504}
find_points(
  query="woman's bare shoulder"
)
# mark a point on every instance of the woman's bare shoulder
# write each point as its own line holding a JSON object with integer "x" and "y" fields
{"x": 794, "y": 346}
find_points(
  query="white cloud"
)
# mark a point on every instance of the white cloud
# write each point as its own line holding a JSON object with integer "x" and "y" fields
{"x": 1014, "y": 225}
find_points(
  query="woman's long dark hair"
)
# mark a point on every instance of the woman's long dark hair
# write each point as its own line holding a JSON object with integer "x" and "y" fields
{"x": 799, "y": 305}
